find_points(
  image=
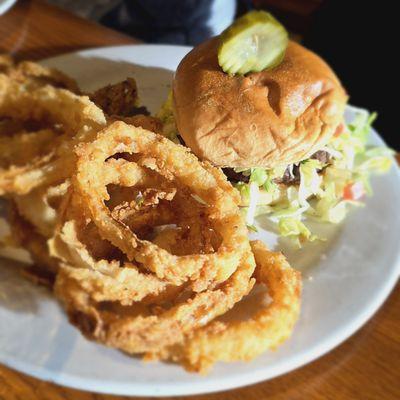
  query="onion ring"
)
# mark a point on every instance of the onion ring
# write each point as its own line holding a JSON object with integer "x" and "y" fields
{"x": 174, "y": 163}
{"x": 35, "y": 75}
{"x": 89, "y": 260}
{"x": 143, "y": 244}
{"x": 25, "y": 236}
{"x": 245, "y": 340}
{"x": 82, "y": 253}
{"x": 79, "y": 118}
{"x": 40, "y": 207}
{"x": 32, "y": 220}
{"x": 138, "y": 330}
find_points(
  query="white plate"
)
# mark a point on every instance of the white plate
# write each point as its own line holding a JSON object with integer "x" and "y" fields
{"x": 345, "y": 279}
{"x": 5, "y": 5}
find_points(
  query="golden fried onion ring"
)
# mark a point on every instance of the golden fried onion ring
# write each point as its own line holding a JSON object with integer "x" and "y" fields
{"x": 146, "y": 244}
{"x": 32, "y": 220}
{"x": 176, "y": 164}
{"x": 40, "y": 207}
{"x": 77, "y": 115}
{"x": 35, "y": 75}
{"x": 85, "y": 258}
{"x": 141, "y": 329}
{"x": 245, "y": 340}
{"x": 104, "y": 278}
{"x": 25, "y": 236}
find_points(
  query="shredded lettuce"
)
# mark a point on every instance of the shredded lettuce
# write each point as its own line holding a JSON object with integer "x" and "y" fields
{"x": 361, "y": 126}
{"x": 375, "y": 159}
{"x": 310, "y": 180}
{"x": 259, "y": 176}
{"x": 244, "y": 190}
{"x": 325, "y": 191}
{"x": 263, "y": 179}
{"x": 328, "y": 207}
{"x": 296, "y": 230}
{"x": 252, "y": 228}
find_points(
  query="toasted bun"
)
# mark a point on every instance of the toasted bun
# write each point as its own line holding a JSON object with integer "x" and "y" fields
{"x": 265, "y": 119}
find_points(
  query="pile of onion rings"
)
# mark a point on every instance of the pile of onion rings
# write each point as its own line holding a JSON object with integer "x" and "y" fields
{"x": 143, "y": 244}
{"x": 52, "y": 121}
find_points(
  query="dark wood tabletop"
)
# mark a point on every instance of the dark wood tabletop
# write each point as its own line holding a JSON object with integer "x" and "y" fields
{"x": 366, "y": 366}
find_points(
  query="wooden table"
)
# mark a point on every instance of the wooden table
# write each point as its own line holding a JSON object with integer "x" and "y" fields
{"x": 365, "y": 367}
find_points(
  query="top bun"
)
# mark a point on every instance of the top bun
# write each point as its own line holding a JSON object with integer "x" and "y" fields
{"x": 264, "y": 119}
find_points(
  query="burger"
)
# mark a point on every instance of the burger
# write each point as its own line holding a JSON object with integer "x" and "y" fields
{"x": 266, "y": 119}
{"x": 278, "y": 135}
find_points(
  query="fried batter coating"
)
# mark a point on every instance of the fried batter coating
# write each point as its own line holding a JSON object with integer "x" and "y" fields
{"x": 245, "y": 340}
{"x": 175, "y": 163}
{"x": 119, "y": 99}
{"x": 136, "y": 329}
{"x": 41, "y": 207}
{"x": 73, "y": 119}
{"x": 24, "y": 235}
{"x": 147, "y": 122}
{"x": 34, "y": 75}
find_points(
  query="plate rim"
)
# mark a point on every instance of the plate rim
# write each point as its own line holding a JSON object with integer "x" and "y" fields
{"x": 5, "y": 5}
{"x": 228, "y": 382}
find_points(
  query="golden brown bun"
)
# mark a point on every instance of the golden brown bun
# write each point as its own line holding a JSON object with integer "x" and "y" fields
{"x": 265, "y": 119}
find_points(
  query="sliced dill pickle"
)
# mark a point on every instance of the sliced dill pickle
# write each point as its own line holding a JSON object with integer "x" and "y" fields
{"x": 254, "y": 42}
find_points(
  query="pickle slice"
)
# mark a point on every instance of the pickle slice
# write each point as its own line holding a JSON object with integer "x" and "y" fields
{"x": 254, "y": 42}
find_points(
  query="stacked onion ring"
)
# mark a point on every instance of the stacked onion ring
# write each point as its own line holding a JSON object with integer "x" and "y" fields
{"x": 144, "y": 290}
{"x": 143, "y": 244}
